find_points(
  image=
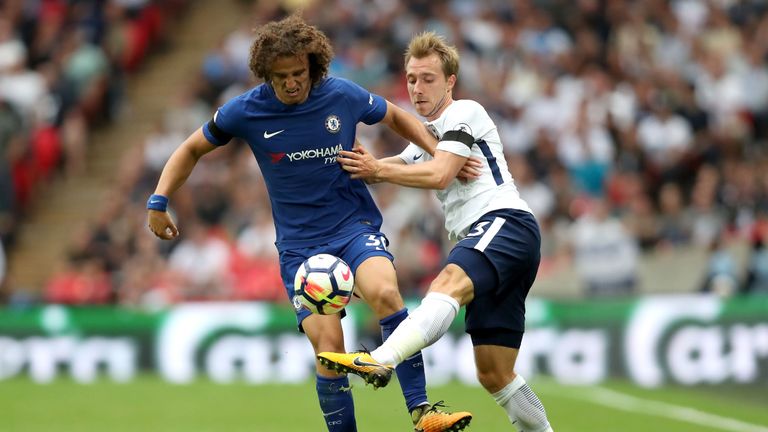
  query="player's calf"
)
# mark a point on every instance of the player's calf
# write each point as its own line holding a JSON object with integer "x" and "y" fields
{"x": 523, "y": 407}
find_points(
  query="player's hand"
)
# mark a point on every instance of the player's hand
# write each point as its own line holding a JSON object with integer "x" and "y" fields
{"x": 161, "y": 225}
{"x": 360, "y": 164}
{"x": 470, "y": 170}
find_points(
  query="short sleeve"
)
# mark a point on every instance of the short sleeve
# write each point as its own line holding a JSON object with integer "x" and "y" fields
{"x": 220, "y": 130}
{"x": 465, "y": 123}
{"x": 370, "y": 108}
{"x": 452, "y": 145}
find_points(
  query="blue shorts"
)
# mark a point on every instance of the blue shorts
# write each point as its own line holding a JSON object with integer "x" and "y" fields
{"x": 501, "y": 256}
{"x": 353, "y": 250}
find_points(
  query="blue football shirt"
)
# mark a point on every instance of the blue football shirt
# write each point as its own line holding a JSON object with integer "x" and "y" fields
{"x": 313, "y": 199}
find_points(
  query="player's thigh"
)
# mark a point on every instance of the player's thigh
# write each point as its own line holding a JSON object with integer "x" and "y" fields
{"x": 376, "y": 281}
{"x": 454, "y": 281}
{"x": 375, "y": 278}
{"x": 495, "y": 366}
{"x": 501, "y": 255}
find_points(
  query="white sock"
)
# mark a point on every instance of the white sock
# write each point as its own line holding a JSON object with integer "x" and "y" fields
{"x": 523, "y": 407}
{"x": 424, "y": 325}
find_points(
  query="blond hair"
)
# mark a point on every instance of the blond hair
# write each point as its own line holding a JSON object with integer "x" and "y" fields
{"x": 429, "y": 42}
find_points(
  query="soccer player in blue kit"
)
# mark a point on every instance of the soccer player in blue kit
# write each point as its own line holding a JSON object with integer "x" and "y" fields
{"x": 494, "y": 263}
{"x": 296, "y": 123}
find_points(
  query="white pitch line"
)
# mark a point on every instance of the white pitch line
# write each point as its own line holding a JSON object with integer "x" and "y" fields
{"x": 625, "y": 402}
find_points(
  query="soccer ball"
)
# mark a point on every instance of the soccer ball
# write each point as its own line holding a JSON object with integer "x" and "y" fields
{"x": 323, "y": 284}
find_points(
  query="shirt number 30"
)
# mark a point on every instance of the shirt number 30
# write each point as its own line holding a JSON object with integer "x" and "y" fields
{"x": 379, "y": 242}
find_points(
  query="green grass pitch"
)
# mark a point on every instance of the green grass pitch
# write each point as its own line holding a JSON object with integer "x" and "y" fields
{"x": 147, "y": 404}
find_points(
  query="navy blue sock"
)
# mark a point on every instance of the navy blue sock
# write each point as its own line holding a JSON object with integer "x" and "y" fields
{"x": 410, "y": 372}
{"x": 336, "y": 403}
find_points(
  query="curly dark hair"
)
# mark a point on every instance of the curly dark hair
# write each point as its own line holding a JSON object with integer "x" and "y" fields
{"x": 291, "y": 36}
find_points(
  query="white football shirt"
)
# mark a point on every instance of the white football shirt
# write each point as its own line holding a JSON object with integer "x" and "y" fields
{"x": 495, "y": 189}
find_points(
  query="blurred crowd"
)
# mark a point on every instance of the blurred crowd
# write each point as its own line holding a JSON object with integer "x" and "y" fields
{"x": 63, "y": 66}
{"x": 630, "y": 127}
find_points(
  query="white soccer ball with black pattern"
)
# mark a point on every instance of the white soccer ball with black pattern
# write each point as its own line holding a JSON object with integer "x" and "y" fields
{"x": 323, "y": 284}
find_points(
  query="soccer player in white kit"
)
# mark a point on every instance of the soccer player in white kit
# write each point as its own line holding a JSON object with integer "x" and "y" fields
{"x": 494, "y": 263}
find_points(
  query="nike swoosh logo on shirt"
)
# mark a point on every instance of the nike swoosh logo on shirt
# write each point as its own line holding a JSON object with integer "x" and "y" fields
{"x": 268, "y": 135}
{"x": 418, "y": 157}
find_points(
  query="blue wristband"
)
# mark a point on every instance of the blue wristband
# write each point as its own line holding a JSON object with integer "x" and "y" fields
{"x": 157, "y": 202}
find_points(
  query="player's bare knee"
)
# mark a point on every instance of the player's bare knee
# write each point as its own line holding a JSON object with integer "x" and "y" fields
{"x": 330, "y": 343}
{"x": 330, "y": 339}
{"x": 492, "y": 380}
{"x": 453, "y": 281}
{"x": 384, "y": 300}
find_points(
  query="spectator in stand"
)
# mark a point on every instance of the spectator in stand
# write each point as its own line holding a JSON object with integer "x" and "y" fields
{"x": 604, "y": 252}
{"x": 587, "y": 150}
{"x": 756, "y": 281}
{"x": 83, "y": 281}
{"x": 257, "y": 240}
{"x": 721, "y": 275}
{"x": 538, "y": 195}
{"x": 674, "y": 218}
{"x": 160, "y": 144}
{"x": 12, "y": 49}
{"x": 719, "y": 90}
{"x": 254, "y": 261}
{"x": 707, "y": 218}
{"x": 666, "y": 139}
{"x": 10, "y": 125}
{"x": 145, "y": 279}
{"x": 3, "y": 265}
{"x": 642, "y": 222}
{"x": 754, "y": 82}
{"x": 202, "y": 260}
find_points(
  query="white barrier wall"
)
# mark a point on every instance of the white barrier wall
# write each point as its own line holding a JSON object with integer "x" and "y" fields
{"x": 685, "y": 339}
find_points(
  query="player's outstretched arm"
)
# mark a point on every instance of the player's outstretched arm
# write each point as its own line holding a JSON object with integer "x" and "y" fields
{"x": 182, "y": 161}
{"x": 435, "y": 174}
{"x": 174, "y": 174}
{"x": 409, "y": 127}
